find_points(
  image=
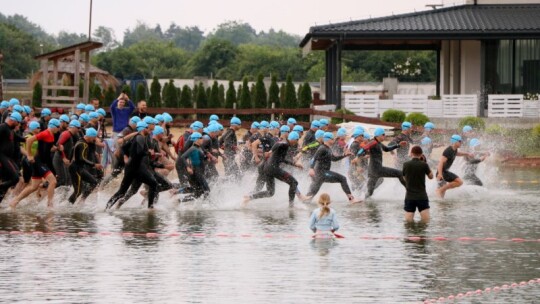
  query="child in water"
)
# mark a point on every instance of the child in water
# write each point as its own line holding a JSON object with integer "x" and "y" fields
{"x": 324, "y": 219}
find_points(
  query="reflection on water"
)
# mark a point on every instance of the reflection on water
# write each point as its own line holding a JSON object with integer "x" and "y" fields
{"x": 265, "y": 253}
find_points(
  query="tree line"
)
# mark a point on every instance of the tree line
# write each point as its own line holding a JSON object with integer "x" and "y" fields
{"x": 233, "y": 50}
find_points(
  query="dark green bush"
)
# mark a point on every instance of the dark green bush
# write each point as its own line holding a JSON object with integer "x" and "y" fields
{"x": 417, "y": 119}
{"x": 476, "y": 123}
{"x": 392, "y": 115}
{"x": 536, "y": 132}
{"x": 336, "y": 120}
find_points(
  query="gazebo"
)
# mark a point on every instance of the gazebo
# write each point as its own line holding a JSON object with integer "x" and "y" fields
{"x": 482, "y": 48}
{"x": 66, "y": 62}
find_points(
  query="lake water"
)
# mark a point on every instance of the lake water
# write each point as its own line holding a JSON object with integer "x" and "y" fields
{"x": 217, "y": 252}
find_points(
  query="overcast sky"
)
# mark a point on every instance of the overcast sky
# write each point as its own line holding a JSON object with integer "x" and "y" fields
{"x": 293, "y": 16}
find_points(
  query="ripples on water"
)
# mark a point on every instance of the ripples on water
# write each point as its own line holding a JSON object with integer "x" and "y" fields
{"x": 278, "y": 269}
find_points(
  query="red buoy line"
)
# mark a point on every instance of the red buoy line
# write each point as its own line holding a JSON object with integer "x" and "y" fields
{"x": 484, "y": 292}
{"x": 267, "y": 235}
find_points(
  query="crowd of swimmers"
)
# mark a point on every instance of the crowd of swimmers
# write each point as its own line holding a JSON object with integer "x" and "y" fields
{"x": 46, "y": 153}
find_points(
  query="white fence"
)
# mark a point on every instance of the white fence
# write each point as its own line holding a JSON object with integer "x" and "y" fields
{"x": 450, "y": 106}
{"x": 505, "y": 106}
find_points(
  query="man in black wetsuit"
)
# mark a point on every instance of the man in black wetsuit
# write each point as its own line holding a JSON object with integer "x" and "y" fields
{"x": 310, "y": 134}
{"x": 137, "y": 167}
{"x": 272, "y": 171}
{"x": 320, "y": 169}
{"x": 83, "y": 181}
{"x": 448, "y": 180}
{"x": 402, "y": 153}
{"x": 229, "y": 143}
{"x": 9, "y": 171}
{"x": 376, "y": 171}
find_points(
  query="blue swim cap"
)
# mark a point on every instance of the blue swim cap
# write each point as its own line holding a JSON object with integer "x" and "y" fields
{"x": 149, "y": 120}
{"x": 315, "y": 124}
{"x": 406, "y": 125}
{"x": 89, "y": 108}
{"x": 101, "y": 112}
{"x": 4, "y": 104}
{"x": 158, "y": 130}
{"x": 274, "y": 124}
{"x": 429, "y": 126}
{"x": 235, "y": 121}
{"x": 323, "y": 122}
{"x": 80, "y": 106}
{"x": 168, "y": 118}
{"x": 64, "y": 118}
{"x": 220, "y": 126}
{"x": 93, "y": 115}
{"x": 159, "y": 118}
{"x": 75, "y": 124}
{"x": 141, "y": 125}
{"x": 328, "y": 136}
{"x": 291, "y": 121}
{"x": 16, "y": 116}
{"x": 426, "y": 141}
{"x": 378, "y": 132}
{"x": 214, "y": 117}
{"x": 195, "y": 136}
{"x": 264, "y": 124}
{"x": 298, "y": 128}
{"x": 194, "y": 127}
{"x": 213, "y": 128}
{"x": 198, "y": 124}
{"x": 319, "y": 134}
{"x": 18, "y": 108}
{"x": 84, "y": 117}
{"x": 284, "y": 129}
{"x": 455, "y": 138}
{"x": 255, "y": 125}
{"x": 293, "y": 136}
{"x": 46, "y": 112}
{"x": 359, "y": 127}
{"x": 33, "y": 125}
{"x": 357, "y": 132}
{"x": 54, "y": 123}
{"x": 134, "y": 120}
{"x": 14, "y": 102}
{"x": 91, "y": 132}
{"x": 27, "y": 109}
{"x": 74, "y": 117}
{"x": 474, "y": 142}
{"x": 367, "y": 135}
{"x": 467, "y": 129}
{"x": 342, "y": 132}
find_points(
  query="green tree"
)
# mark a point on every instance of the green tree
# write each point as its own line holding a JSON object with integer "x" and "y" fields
{"x": 305, "y": 96}
{"x": 195, "y": 92}
{"x": 110, "y": 96}
{"x": 261, "y": 98}
{"x": 273, "y": 93}
{"x": 19, "y": 50}
{"x": 164, "y": 91}
{"x": 187, "y": 38}
{"x": 202, "y": 98}
{"x": 252, "y": 95}
{"x": 186, "y": 97}
{"x": 66, "y": 39}
{"x": 213, "y": 59}
{"x": 155, "y": 93}
{"x": 239, "y": 94}
{"x": 230, "y": 99}
{"x": 141, "y": 32}
{"x": 245, "y": 98}
{"x": 214, "y": 96}
{"x": 221, "y": 95}
{"x": 235, "y": 32}
{"x": 96, "y": 92}
{"x": 127, "y": 89}
{"x": 290, "y": 94}
{"x": 282, "y": 95}
{"x": 170, "y": 97}
{"x": 140, "y": 93}
{"x": 36, "y": 95}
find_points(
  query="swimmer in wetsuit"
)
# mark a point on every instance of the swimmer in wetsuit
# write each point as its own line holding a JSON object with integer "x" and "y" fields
{"x": 448, "y": 180}
{"x": 472, "y": 163}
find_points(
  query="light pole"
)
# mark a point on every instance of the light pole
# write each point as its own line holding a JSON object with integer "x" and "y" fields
{"x": 90, "y": 23}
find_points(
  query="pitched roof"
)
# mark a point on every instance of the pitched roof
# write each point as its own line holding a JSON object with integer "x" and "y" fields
{"x": 465, "y": 21}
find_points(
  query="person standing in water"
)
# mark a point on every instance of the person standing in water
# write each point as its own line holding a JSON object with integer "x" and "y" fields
{"x": 324, "y": 219}
{"x": 448, "y": 180}
{"x": 414, "y": 173}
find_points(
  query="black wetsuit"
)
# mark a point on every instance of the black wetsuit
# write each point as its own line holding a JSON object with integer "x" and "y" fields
{"x": 321, "y": 163}
{"x": 68, "y": 141}
{"x": 402, "y": 152}
{"x": 210, "y": 172}
{"x": 450, "y": 155}
{"x": 357, "y": 172}
{"x": 197, "y": 158}
{"x": 137, "y": 167}
{"x": 266, "y": 143}
{"x": 308, "y": 138}
{"x": 376, "y": 171}
{"x": 272, "y": 171}
{"x": 469, "y": 175}
{"x": 84, "y": 182}
{"x": 230, "y": 144}
{"x": 8, "y": 167}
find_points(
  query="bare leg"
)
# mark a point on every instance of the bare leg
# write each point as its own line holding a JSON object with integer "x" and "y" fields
{"x": 409, "y": 216}
{"x": 453, "y": 184}
{"x": 50, "y": 189}
{"x": 33, "y": 186}
{"x": 424, "y": 215}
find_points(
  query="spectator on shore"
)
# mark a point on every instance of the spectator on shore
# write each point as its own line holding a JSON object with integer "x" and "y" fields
{"x": 95, "y": 103}
{"x": 121, "y": 110}
{"x": 141, "y": 110}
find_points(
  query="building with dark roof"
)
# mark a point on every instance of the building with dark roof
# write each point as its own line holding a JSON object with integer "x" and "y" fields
{"x": 483, "y": 47}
